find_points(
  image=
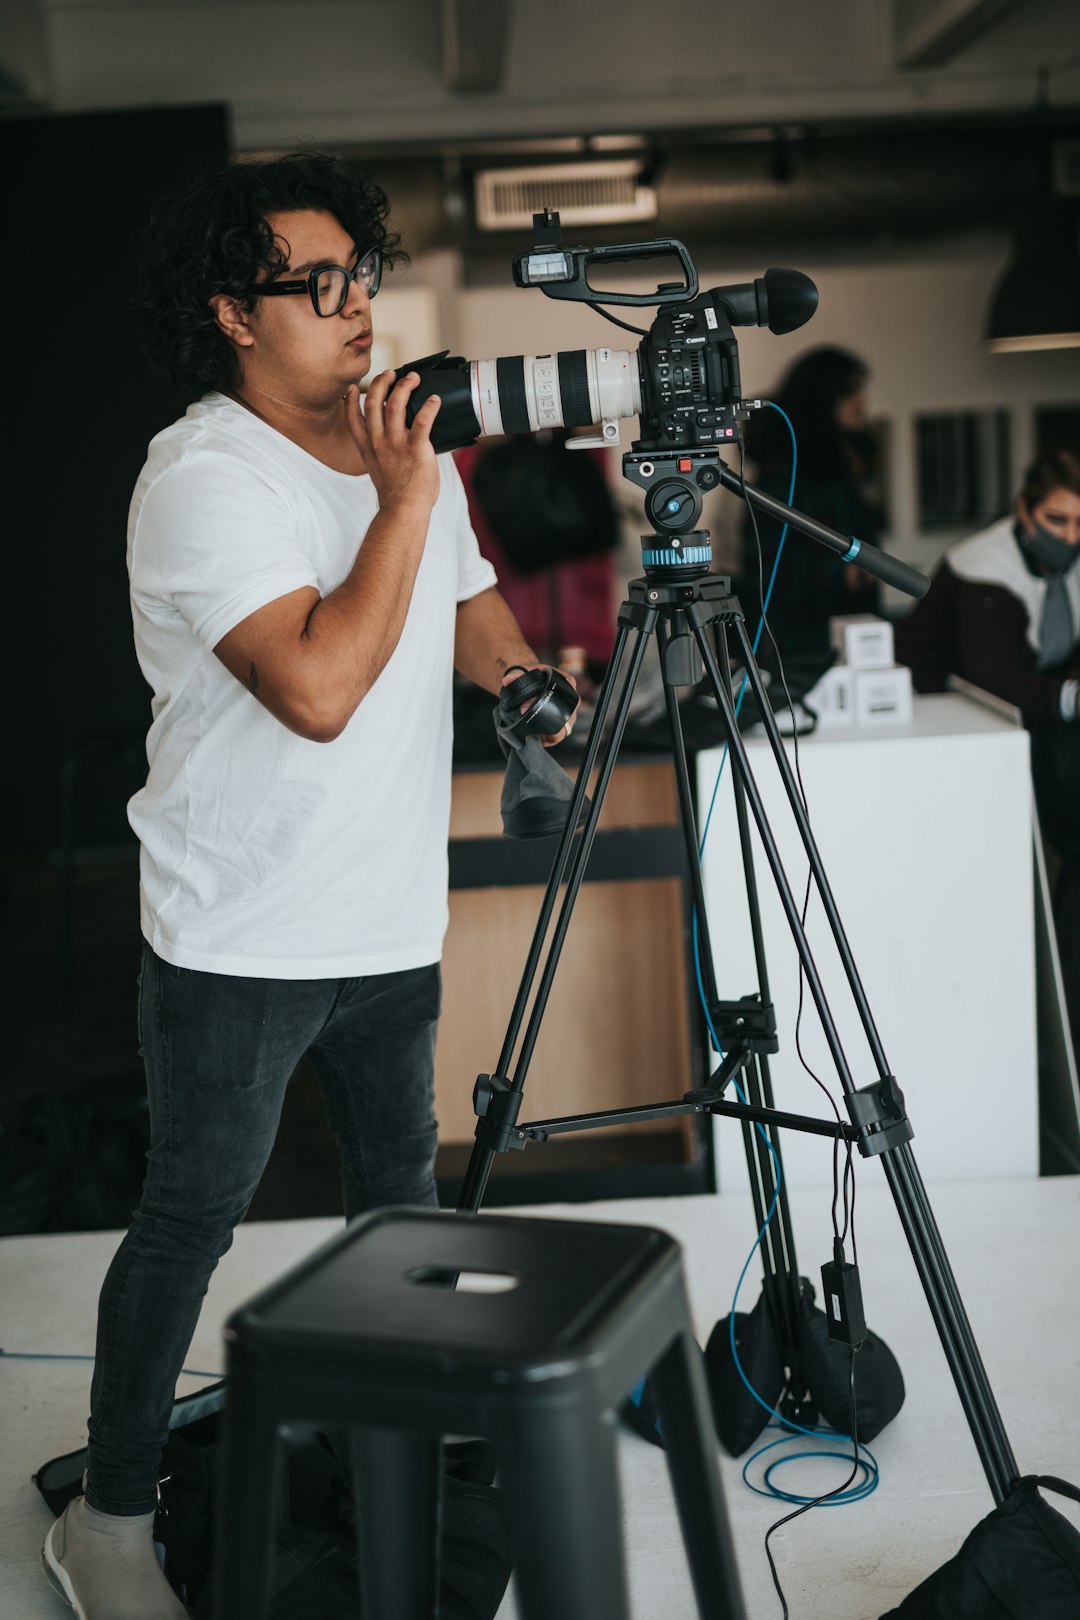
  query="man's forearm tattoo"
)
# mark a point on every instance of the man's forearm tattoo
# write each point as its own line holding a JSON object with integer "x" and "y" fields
{"x": 253, "y": 680}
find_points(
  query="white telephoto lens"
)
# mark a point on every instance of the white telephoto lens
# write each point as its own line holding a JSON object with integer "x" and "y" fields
{"x": 576, "y": 388}
{"x": 484, "y": 382}
{"x": 614, "y": 385}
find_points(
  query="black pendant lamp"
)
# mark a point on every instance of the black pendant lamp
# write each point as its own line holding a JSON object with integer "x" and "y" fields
{"x": 1036, "y": 304}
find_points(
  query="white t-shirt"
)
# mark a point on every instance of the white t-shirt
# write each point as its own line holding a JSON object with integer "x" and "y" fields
{"x": 264, "y": 854}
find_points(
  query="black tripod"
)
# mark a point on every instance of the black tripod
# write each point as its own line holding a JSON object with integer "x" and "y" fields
{"x": 693, "y": 615}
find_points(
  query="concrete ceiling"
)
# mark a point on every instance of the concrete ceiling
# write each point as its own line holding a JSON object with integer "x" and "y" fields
{"x": 372, "y": 74}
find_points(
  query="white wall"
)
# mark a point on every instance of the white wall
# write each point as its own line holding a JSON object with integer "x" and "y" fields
{"x": 924, "y": 831}
{"x": 914, "y": 315}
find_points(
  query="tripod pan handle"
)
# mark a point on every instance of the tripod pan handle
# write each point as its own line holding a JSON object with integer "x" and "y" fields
{"x": 871, "y": 559}
{"x": 890, "y": 570}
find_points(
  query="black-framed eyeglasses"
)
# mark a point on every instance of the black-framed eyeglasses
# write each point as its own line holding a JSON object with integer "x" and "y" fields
{"x": 328, "y": 284}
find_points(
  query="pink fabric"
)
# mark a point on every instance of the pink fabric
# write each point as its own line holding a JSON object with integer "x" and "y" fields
{"x": 571, "y": 604}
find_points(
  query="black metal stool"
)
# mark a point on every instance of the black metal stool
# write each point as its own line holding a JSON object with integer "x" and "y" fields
{"x": 383, "y": 1329}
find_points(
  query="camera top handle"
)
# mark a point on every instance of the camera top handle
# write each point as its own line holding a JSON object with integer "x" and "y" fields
{"x": 562, "y": 272}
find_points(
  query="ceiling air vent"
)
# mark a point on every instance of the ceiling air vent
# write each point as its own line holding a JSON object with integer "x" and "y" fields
{"x": 581, "y": 193}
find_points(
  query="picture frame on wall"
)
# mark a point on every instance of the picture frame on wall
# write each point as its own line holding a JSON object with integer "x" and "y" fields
{"x": 963, "y": 468}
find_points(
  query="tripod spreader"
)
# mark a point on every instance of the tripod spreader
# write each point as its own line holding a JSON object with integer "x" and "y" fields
{"x": 877, "y": 1111}
{"x": 704, "y": 1101}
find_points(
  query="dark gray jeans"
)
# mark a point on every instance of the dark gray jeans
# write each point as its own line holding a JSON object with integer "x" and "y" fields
{"x": 219, "y": 1051}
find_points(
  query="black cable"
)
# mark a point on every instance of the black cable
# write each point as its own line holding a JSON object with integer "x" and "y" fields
{"x": 848, "y": 1168}
{"x": 843, "y": 1187}
{"x": 838, "y": 1491}
{"x": 615, "y": 321}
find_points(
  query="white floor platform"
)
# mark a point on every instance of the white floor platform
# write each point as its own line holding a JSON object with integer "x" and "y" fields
{"x": 1010, "y": 1244}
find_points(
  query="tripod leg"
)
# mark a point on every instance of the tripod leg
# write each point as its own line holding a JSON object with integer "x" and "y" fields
{"x": 784, "y": 890}
{"x": 608, "y": 756}
{"x": 780, "y": 1268}
{"x": 802, "y": 821}
{"x": 950, "y": 1319}
{"x": 924, "y": 1239}
{"x": 572, "y": 869}
{"x": 685, "y": 794}
{"x": 563, "y": 851}
{"x": 743, "y": 822}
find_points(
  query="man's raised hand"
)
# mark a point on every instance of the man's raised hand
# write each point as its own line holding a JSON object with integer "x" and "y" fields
{"x": 400, "y": 459}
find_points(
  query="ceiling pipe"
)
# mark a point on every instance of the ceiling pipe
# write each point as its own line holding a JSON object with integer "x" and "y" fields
{"x": 865, "y": 187}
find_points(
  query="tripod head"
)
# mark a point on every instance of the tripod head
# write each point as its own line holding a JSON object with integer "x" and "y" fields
{"x": 673, "y": 486}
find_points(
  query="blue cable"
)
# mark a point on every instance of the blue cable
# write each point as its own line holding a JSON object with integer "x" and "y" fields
{"x": 866, "y": 1462}
{"x": 869, "y": 1466}
{"x": 766, "y": 599}
{"x": 41, "y": 1355}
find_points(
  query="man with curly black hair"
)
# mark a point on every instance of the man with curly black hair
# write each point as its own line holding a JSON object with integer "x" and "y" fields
{"x": 304, "y": 581}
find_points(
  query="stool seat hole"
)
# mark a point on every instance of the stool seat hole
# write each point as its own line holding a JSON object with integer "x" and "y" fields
{"x": 465, "y": 1282}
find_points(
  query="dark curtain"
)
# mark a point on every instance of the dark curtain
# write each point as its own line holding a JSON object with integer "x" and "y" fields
{"x": 79, "y": 408}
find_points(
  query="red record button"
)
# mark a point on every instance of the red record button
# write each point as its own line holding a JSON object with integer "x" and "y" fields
{"x": 685, "y": 464}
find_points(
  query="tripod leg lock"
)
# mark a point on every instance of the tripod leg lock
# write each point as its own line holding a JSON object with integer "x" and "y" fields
{"x": 497, "y": 1105}
{"x": 877, "y": 1113}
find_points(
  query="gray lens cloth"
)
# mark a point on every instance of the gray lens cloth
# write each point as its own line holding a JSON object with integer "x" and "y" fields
{"x": 536, "y": 790}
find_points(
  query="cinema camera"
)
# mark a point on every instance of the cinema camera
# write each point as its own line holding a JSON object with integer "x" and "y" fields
{"x": 682, "y": 382}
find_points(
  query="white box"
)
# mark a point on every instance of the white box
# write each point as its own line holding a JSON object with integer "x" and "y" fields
{"x": 882, "y": 696}
{"x": 862, "y": 641}
{"x": 833, "y": 698}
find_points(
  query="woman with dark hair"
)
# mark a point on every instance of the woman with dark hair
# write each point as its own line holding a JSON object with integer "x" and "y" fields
{"x": 1003, "y": 611}
{"x": 824, "y": 396}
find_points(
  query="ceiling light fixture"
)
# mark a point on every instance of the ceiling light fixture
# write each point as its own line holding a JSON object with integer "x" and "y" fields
{"x": 1036, "y": 304}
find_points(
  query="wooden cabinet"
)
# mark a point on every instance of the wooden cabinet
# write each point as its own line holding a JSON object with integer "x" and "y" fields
{"x": 617, "y": 1028}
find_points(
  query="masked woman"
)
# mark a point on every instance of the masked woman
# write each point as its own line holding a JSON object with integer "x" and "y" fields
{"x": 1003, "y": 611}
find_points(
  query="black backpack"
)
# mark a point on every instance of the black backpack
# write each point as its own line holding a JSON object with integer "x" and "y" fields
{"x": 315, "y": 1565}
{"x": 544, "y": 503}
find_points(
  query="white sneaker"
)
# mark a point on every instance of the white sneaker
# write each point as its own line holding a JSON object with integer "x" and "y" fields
{"x": 52, "y": 1562}
{"x": 106, "y": 1567}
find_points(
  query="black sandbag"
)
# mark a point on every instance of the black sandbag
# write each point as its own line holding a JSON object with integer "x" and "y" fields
{"x": 826, "y": 1370}
{"x": 826, "y": 1363}
{"x": 738, "y": 1417}
{"x": 1022, "y": 1562}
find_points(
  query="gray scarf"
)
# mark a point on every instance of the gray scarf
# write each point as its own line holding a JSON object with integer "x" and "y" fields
{"x": 1052, "y": 558}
